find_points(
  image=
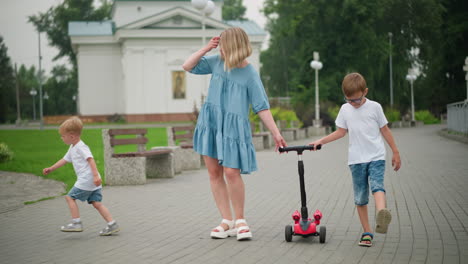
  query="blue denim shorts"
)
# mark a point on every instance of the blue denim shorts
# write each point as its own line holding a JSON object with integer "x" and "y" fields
{"x": 83, "y": 195}
{"x": 365, "y": 174}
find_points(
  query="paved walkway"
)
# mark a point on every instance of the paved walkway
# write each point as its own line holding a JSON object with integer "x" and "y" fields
{"x": 18, "y": 188}
{"x": 169, "y": 220}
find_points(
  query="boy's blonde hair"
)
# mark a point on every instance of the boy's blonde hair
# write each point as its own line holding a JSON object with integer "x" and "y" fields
{"x": 353, "y": 83}
{"x": 72, "y": 125}
{"x": 236, "y": 47}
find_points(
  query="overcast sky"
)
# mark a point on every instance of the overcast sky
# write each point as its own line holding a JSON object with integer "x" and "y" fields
{"x": 21, "y": 38}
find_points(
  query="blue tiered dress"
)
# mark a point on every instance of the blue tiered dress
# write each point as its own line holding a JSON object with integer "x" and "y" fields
{"x": 223, "y": 127}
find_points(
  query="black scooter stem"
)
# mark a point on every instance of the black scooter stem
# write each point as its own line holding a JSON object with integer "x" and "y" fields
{"x": 300, "y": 165}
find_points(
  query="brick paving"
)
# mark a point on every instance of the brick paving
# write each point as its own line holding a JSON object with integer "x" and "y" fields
{"x": 169, "y": 220}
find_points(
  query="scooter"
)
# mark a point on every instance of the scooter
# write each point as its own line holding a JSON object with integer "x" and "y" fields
{"x": 303, "y": 225}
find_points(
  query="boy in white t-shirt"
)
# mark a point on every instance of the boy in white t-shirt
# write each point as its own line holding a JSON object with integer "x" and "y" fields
{"x": 88, "y": 185}
{"x": 365, "y": 122}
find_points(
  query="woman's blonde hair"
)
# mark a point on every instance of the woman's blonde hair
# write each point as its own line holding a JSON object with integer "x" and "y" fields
{"x": 236, "y": 47}
{"x": 72, "y": 125}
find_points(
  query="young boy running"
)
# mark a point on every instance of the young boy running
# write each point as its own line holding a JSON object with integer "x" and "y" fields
{"x": 88, "y": 185}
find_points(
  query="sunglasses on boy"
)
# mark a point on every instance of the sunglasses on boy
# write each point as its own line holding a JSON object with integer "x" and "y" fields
{"x": 356, "y": 101}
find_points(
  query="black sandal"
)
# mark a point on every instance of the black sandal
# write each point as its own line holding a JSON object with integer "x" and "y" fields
{"x": 366, "y": 239}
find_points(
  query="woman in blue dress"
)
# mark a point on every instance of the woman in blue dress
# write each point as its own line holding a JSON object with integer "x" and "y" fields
{"x": 223, "y": 135}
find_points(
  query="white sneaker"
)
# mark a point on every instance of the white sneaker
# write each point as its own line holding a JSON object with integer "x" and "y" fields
{"x": 72, "y": 227}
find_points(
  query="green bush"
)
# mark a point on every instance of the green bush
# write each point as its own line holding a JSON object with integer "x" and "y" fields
{"x": 278, "y": 114}
{"x": 392, "y": 114}
{"x": 426, "y": 117}
{"x": 333, "y": 111}
{"x": 5, "y": 153}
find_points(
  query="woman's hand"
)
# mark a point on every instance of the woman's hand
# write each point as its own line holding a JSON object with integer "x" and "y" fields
{"x": 279, "y": 141}
{"x": 213, "y": 44}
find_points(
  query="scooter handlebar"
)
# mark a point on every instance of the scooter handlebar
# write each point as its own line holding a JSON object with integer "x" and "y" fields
{"x": 299, "y": 149}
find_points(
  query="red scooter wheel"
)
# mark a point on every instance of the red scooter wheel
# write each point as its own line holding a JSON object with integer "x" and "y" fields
{"x": 288, "y": 233}
{"x": 322, "y": 234}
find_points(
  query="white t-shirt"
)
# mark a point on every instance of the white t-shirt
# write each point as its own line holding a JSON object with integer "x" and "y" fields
{"x": 363, "y": 124}
{"x": 78, "y": 156}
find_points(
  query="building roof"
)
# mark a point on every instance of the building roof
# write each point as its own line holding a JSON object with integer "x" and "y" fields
{"x": 250, "y": 27}
{"x": 91, "y": 28}
{"x": 107, "y": 28}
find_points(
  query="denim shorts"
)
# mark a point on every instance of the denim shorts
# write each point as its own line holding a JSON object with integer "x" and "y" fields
{"x": 83, "y": 195}
{"x": 365, "y": 174}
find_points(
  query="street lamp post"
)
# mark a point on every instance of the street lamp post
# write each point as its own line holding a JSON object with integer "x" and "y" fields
{"x": 390, "y": 35}
{"x": 46, "y": 97}
{"x": 33, "y": 93}
{"x": 316, "y": 65}
{"x": 18, "y": 107}
{"x": 41, "y": 122}
{"x": 465, "y": 68}
{"x": 206, "y": 8}
{"x": 411, "y": 77}
{"x": 74, "y": 97}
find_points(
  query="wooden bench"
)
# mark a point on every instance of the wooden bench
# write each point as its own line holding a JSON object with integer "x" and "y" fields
{"x": 134, "y": 167}
{"x": 183, "y": 134}
{"x": 186, "y": 157}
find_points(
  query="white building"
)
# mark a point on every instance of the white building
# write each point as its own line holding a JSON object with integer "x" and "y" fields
{"x": 132, "y": 65}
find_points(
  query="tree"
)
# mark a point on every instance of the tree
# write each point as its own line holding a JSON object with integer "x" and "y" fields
{"x": 61, "y": 89}
{"x": 7, "y": 86}
{"x": 233, "y": 10}
{"x": 350, "y": 36}
{"x": 445, "y": 74}
{"x": 55, "y": 22}
{"x": 27, "y": 81}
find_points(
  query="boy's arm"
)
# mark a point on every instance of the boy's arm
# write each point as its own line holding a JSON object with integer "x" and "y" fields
{"x": 267, "y": 119}
{"x": 339, "y": 133}
{"x": 97, "y": 180}
{"x": 387, "y": 134}
{"x": 192, "y": 61}
{"x": 57, "y": 165}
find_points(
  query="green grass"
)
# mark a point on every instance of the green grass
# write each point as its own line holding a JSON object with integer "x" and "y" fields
{"x": 40, "y": 200}
{"x": 35, "y": 150}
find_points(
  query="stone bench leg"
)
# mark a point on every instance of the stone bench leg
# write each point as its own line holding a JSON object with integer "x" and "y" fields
{"x": 268, "y": 141}
{"x": 177, "y": 157}
{"x": 300, "y": 133}
{"x": 125, "y": 171}
{"x": 160, "y": 166}
{"x": 288, "y": 135}
{"x": 258, "y": 143}
{"x": 190, "y": 159}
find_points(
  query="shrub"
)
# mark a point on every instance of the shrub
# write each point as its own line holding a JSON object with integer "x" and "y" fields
{"x": 392, "y": 114}
{"x": 333, "y": 111}
{"x": 278, "y": 114}
{"x": 426, "y": 117}
{"x": 5, "y": 153}
{"x": 116, "y": 118}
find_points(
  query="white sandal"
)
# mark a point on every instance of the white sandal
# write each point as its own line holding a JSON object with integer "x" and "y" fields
{"x": 243, "y": 235}
{"x": 221, "y": 233}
